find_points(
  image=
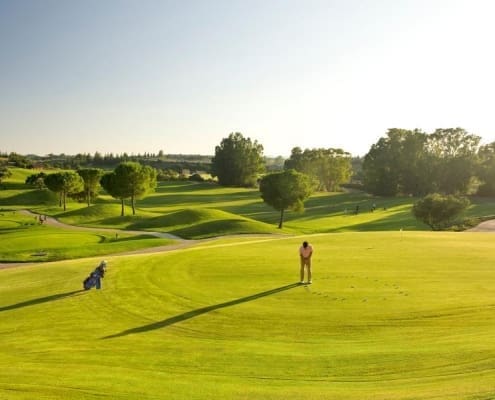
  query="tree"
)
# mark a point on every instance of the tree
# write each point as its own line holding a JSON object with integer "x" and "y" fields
{"x": 332, "y": 168}
{"x": 436, "y": 210}
{"x": 114, "y": 188}
{"x": 137, "y": 179}
{"x": 412, "y": 162}
{"x": 19, "y": 161}
{"x": 486, "y": 170}
{"x": 415, "y": 165}
{"x": 285, "y": 190}
{"x": 129, "y": 180}
{"x": 454, "y": 154}
{"x": 91, "y": 178}
{"x": 296, "y": 160}
{"x": 328, "y": 167}
{"x": 4, "y": 173}
{"x": 71, "y": 183}
{"x": 54, "y": 183}
{"x": 37, "y": 180}
{"x": 396, "y": 164}
{"x": 65, "y": 184}
{"x": 237, "y": 161}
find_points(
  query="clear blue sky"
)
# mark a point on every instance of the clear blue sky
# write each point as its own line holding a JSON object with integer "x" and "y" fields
{"x": 140, "y": 76}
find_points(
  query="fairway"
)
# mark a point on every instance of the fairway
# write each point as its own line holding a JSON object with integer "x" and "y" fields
{"x": 26, "y": 241}
{"x": 390, "y": 315}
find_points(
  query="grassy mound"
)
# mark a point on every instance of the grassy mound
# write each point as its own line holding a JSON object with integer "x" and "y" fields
{"x": 26, "y": 198}
{"x": 25, "y": 240}
{"x": 389, "y": 316}
{"x": 177, "y": 206}
{"x": 202, "y": 223}
{"x": 102, "y": 214}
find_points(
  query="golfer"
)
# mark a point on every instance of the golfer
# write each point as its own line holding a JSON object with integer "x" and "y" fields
{"x": 305, "y": 253}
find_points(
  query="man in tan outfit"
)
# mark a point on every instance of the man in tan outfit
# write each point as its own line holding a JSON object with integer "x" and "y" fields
{"x": 305, "y": 253}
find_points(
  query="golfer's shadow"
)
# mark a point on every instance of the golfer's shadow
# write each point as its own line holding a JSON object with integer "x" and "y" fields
{"x": 40, "y": 300}
{"x": 199, "y": 311}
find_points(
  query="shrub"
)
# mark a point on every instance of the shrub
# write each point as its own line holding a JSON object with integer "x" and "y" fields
{"x": 437, "y": 211}
{"x": 196, "y": 178}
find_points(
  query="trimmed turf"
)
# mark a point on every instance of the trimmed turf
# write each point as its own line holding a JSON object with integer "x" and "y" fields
{"x": 390, "y": 316}
{"x": 23, "y": 239}
{"x": 221, "y": 210}
{"x": 200, "y": 210}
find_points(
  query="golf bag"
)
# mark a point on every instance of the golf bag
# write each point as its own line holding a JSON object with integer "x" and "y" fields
{"x": 90, "y": 281}
{"x": 94, "y": 279}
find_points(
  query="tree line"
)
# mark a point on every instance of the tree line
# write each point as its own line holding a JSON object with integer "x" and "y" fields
{"x": 404, "y": 162}
{"x": 129, "y": 180}
{"x": 412, "y": 162}
{"x": 442, "y": 166}
{"x": 239, "y": 161}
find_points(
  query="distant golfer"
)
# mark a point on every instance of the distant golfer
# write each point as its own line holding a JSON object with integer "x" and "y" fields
{"x": 305, "y": 253}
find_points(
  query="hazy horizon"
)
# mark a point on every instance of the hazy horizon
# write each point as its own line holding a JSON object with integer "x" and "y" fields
{"x": 139, "y": 77}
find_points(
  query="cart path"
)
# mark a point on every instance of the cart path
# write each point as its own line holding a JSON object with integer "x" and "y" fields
{"x": 486, "y": 226}
{"x": 182, "y": 243}
{"x": 55, "y": 222}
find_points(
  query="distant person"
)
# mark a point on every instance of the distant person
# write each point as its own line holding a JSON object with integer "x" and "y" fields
{"x": 305, "y": 253}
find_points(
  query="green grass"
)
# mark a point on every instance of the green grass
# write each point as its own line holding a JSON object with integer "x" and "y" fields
{"x": 237, "y": 210}
{"x": 199, "y": 223}
{"x": 24, "y": 240}
{"x": 18, "y": 178}
{"x": 390, "y": 315}
{"x": 217, "y": 210}
{"x": 395, "y": 312}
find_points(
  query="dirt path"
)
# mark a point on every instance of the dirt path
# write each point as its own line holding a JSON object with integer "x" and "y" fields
{"x": 55, "y": 222}
{"x": 182, "y": 243}
{"x": 486, "y": 226}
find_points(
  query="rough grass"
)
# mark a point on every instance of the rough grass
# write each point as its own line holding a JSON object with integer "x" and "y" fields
{"x": 390, "y": 316}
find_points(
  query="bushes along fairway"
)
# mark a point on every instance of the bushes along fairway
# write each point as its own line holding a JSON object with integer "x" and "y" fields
{"x": 388, "y": 317}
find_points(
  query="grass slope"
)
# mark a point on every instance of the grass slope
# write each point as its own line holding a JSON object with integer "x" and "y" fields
{"x": 24, "y": 240}
{"x": 324, "y": 212}
{"x": 389, "y": 316}
{"x": 188, "y": 223}
{"x": 201, "y": 223}
{"x": 222, "y": 211}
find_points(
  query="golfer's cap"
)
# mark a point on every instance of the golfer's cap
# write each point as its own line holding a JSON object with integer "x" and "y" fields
{"x": 104, "y": 262}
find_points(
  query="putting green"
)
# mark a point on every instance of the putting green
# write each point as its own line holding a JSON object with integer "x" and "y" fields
{"x": 390, "y": 316}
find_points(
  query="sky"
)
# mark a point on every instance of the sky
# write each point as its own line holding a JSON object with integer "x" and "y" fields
{"x": 119, "y": 76}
